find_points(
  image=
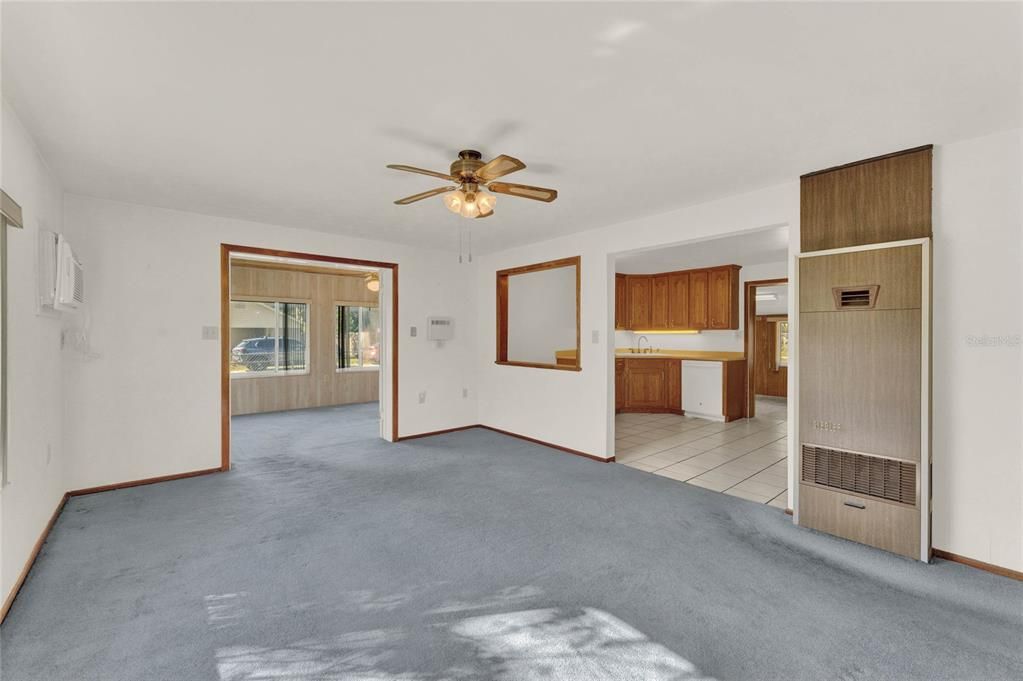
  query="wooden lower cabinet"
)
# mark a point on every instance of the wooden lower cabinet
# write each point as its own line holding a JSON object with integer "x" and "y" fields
{"x": 648, "y": 385}
{"x": 619, "y": 384}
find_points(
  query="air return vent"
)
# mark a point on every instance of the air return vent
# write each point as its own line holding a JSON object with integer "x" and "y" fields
{"x": 870, "y": 476}
{"x": 855, "y": 297}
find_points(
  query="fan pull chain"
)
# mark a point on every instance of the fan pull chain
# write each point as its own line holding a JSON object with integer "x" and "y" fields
{"x": 460, "y": 248}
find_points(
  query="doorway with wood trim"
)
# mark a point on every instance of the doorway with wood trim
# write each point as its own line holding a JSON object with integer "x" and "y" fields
{"x": 310, "y": 339}
{"x": 767, "y": 347}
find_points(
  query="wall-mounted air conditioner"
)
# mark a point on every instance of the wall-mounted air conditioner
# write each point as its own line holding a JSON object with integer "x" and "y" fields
{"x": 69, "y": 288}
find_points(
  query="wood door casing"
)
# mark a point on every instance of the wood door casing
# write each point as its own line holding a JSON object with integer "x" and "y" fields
{"x": 639, "y": 292}
{"x": 768, "y": 378}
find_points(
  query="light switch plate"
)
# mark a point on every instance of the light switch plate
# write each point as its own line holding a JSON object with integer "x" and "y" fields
{"x": 413, "y": 331}
{"x": 595, "y": 336}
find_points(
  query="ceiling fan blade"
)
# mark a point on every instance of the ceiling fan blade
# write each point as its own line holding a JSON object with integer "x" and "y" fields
{"x": 524, "y": 191}
{"x": 485, "y": 215}
{"x": 421, "y": 171}
{"x": 424, "y": 195}
{"x": 498, "y": 167}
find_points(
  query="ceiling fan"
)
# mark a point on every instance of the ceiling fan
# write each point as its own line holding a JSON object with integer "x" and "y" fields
{"x": 471, "y": 176}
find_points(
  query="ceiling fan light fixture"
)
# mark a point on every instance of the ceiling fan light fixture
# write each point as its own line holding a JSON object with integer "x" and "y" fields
{"x": 470, "y": 208}
{"x": 486, "y": 202}
{"x": 454, "y": 201}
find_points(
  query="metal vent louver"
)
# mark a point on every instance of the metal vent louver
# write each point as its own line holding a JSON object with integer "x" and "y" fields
{"x": 870, "y": 476}
{"x": 855, "y": 297}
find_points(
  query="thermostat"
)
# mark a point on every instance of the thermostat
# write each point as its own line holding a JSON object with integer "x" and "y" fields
{"x": 440, "y": 328}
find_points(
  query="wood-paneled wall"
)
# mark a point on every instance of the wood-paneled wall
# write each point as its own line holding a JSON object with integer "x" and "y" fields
{"x": 768, "y": 377}
{"x": 881, "y": 199}
{"x": 323, "y": 385}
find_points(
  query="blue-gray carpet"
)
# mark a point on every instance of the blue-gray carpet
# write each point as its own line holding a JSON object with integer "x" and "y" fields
{"x": 329, "y": 554}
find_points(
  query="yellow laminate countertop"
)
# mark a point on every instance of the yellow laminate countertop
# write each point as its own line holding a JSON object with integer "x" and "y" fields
{"x": 705, "y": 355}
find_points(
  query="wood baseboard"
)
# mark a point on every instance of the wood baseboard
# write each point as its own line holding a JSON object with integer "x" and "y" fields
{"x": 23, "y": 575}
{"x": 979, "y": 564}
{"x": 436, "y": 432}
{"x": 551, "y": 445}
{"x": 144, "y": 481}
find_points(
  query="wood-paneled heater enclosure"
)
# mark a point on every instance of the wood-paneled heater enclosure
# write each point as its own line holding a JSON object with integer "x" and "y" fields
{"x": 864, "y": 407}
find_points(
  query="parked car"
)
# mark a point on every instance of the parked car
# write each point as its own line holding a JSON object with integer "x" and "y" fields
{"x": 257, "y": 354}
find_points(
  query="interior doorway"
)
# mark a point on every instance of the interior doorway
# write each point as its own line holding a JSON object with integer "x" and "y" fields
{"x": 302, "y": 332}
{"x": 767, "y": 347}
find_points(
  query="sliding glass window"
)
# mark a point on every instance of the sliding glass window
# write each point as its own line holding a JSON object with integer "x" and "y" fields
{"x": 269, "y": 338}
{"x": 358, "y": 337}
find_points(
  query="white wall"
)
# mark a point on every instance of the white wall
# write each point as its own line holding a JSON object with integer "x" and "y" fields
{"x": 575, "y": 409}
{"x": 35, "y": 456}
{"x": 148, "y": 403}
{"x": 541, "y": 314}
{"x": 978, "y": 407}
{"x": 722, "y": 341}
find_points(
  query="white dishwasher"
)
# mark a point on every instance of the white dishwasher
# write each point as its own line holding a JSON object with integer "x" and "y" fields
{"x": 702, "y": 389}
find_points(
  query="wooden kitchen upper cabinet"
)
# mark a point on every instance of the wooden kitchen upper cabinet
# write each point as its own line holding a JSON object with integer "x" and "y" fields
{"x": 723, "y": 298}
{"x": 678, "y": 300}
{"x": 621, "y": 303}
{"x": 638, "y": 290}
{"x": 706, "y": 298}
{"x": 698, "y": 286}
{"x": 659, "y": 301}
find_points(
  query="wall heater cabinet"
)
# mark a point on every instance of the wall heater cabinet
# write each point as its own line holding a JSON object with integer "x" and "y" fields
{"x": 864, "y": 368}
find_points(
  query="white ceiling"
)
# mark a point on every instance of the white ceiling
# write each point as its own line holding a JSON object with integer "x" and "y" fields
{"x": 287, "y": 113}
{"x": 751, "y": 248}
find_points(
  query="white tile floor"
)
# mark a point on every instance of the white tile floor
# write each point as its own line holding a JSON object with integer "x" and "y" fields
{"x": 745, "y": 458}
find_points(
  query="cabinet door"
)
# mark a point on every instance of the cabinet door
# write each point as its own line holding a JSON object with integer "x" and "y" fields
{"x": 645, "y": 383}
{"x": 638, "y": 289}
{"x": 720, "y": 299}
{"x": 659, "y": 302}
{"x": 621, "y": 302}
{"x": 698, "y": 299}
{"x": 678, "y": 300}
{"x": 673, "y": 384}
{"x": 619, "y": 383}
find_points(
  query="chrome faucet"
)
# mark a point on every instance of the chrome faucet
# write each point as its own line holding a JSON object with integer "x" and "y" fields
{"x": 639, "y": 344}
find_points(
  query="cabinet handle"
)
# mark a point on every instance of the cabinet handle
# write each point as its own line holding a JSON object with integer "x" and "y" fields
{"x": 855, "y": 504}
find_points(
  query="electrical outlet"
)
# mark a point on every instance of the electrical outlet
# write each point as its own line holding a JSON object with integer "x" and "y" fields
{"x": 210, "y": 332}
{"x": 595, "y": 336}
{"x": 422, "y": 397}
